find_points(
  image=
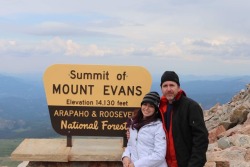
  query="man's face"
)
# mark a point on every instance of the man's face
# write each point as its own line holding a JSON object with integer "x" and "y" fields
{"x": 170, "y": 89}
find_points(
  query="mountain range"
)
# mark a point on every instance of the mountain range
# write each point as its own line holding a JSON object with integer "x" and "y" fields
{"x": 24, "y": 111}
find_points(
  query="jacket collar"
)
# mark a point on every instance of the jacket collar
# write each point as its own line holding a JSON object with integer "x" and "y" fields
{"x": 177, "y": 97}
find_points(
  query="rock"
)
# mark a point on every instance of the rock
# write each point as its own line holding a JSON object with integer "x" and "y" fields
{"x": 224, "y": 143}
{"x": 247, "y": 156}
{"x": 210, "y": 164}
{"x": 222, "y": 164}
{"x": 239, "y": 115}
{"x": 227, "y": 124}
{"x": 214, "y": 133}
{"x": 240, "y": 140}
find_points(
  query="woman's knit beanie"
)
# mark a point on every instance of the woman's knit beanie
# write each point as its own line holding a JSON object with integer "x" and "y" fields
{"x": 153, "y": 98}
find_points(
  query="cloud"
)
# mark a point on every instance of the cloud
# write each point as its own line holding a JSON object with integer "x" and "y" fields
{"x": 170, "y": 50}
{"x": 63, "y": 29}
{"x": 189, "y": 49}
{"x": 54, "y": 47}
{"x": 221, "y": 48}
{"x": 181, "y": 35}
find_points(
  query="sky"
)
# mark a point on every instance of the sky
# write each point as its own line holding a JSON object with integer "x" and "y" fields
{"x": 191, "y": 37}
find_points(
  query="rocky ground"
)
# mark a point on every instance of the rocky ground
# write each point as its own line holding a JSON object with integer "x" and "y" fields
{"x": 229, "y": 132}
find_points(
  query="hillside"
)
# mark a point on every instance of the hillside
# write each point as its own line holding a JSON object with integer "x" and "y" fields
{"x": 23, "y": 109}
{"x": 229, "y": 131}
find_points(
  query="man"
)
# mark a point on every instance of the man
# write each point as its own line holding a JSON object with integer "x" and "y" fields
{"x": 182, "y": 117}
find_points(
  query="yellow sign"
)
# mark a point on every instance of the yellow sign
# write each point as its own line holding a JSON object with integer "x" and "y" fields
{"x": 96, "y": 85}
{"x": 94, "y": 100}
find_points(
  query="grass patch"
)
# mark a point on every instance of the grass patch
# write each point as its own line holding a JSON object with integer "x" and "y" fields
{"x": 6, "y": 161}
{"x": 7, "y": 146}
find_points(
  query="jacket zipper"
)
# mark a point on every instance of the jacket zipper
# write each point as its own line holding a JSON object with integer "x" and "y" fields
{"x": 136, "y": 139}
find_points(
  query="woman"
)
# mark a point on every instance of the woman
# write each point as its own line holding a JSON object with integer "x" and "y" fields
{"x": 147, "y": 142}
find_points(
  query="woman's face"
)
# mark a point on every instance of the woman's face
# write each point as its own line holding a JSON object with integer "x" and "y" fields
{"x": 147, "y": 109}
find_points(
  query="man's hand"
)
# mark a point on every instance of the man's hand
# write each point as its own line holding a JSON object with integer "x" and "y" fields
{"x": 131, "y": 165}
{"x": 126, "y": 161}
{"x": 127, "y": 133}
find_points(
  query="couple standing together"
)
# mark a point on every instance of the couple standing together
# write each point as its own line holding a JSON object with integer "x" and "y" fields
{"x": 167, "y": 132}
